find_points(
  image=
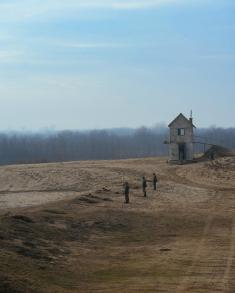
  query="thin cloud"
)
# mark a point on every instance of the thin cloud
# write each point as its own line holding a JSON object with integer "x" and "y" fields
{"x": 134, "y": 5}
{"x": 126, "y": 4}
{"x": 28, "y": 9}
{"x": 96, "y": 45}
{"x": 222, "y": 56}
{"x": 6, "y": 56}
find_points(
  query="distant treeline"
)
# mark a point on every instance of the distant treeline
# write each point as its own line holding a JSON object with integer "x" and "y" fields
{"x": 98, "y": 144}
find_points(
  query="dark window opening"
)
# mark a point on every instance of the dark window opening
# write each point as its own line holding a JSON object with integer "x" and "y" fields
{"x": 181, "y": 131}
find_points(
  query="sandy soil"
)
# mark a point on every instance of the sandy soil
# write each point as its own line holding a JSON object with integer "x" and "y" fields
{"x": 81, "y": 237}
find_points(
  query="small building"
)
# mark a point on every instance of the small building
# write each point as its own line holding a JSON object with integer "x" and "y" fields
{"x": 181, "y": 143}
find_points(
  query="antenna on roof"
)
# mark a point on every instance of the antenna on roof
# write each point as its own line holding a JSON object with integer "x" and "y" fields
{"x": 191, "y": 116}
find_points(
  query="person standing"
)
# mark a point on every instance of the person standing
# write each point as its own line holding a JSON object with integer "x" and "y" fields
{"x": 126, "y": 192}
{"x": 155, "y": 180}
{"x": 144, "y": 186}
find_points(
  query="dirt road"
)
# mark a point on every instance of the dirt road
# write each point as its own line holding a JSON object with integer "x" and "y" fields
{"x": 178, "y": 239}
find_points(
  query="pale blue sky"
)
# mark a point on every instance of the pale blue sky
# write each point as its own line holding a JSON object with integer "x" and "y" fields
{"x": 82, "y": 64}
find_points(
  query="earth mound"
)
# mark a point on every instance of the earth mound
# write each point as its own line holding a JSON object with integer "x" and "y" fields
{"x": 215, "y": 152}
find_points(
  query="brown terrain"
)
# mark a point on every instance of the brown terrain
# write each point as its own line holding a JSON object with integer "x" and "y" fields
{"x": 64, "y": 227}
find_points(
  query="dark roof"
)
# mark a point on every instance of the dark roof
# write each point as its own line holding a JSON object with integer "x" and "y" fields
{"x": 181, "y": 115}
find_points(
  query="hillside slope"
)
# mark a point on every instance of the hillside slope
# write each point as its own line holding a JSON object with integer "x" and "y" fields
{"x": 64, "y": 227}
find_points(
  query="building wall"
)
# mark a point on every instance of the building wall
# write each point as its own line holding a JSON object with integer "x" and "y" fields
{"x": 175, "y": 139}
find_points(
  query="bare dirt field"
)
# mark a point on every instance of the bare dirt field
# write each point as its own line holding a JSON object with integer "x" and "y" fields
{"x": 64, "y": 227}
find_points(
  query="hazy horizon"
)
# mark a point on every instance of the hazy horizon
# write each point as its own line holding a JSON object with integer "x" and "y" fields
{"x": 122, "y": 129}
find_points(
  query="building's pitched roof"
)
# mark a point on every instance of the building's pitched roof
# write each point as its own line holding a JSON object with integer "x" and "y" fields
{"x": 181, "y": 116}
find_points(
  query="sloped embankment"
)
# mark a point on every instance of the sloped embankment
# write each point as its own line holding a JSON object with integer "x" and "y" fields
{"x": 218, "y": 173}
{"x": 215, "y": 152}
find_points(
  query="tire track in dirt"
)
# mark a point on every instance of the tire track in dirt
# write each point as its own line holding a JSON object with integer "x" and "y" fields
{"x": 173, "y": 176}
{"x": 187, "y": 279}
{"x": 7, "y": 192}
{"x": 230, "y": 260}
{"x": 183, "y": 285}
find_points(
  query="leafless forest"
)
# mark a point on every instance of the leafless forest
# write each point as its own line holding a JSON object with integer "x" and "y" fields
{"x": 22, "y": 147}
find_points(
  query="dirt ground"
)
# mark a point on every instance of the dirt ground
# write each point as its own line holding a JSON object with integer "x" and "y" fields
{"x": 64, "y": 227}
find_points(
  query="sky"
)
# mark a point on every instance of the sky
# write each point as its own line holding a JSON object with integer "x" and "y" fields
{"x": 93, "y": 64}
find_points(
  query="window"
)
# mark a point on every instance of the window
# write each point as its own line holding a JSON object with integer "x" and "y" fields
{"x": 181, "y": 131}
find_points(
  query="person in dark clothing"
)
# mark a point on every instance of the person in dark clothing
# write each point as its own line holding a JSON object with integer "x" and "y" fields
{"x": 144, "y": 186}
{"x": 155, "y": 180}
{"x": 126, "y": 192}
{"x": 212, "y": 156}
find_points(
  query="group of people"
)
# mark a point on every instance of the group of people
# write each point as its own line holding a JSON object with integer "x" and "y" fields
{"x": 144, "y": 187}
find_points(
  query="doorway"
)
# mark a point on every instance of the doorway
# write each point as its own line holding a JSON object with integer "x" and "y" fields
{"x": 182, "y": 152}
